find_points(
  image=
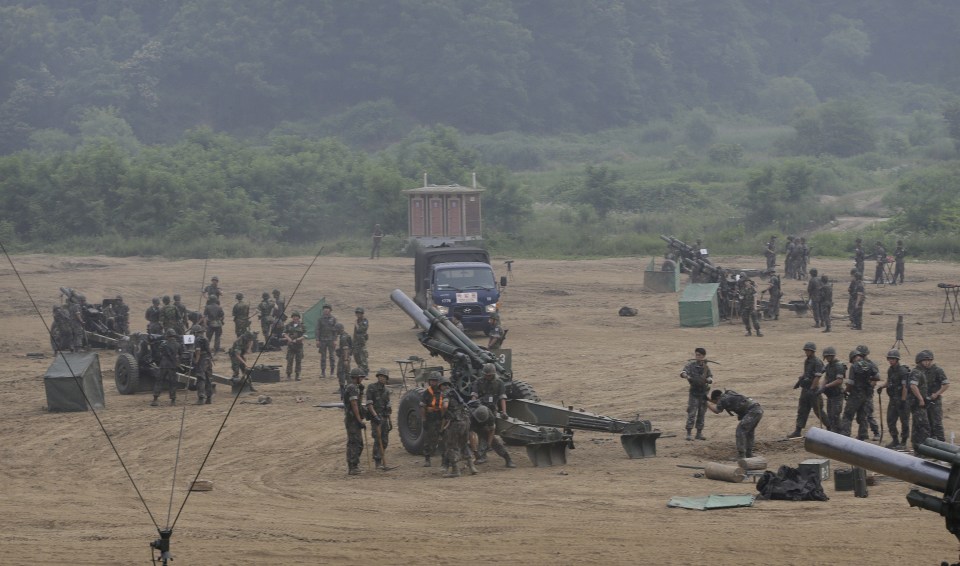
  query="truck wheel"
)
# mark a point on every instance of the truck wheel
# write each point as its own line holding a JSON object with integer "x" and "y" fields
{"x": 409, "y": 423}
{"x": 521, "y": 390}
{"x": 127, "y": 374}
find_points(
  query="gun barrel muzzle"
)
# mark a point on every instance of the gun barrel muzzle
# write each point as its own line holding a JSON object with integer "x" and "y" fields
{"x": 878, "y": 459}
{"x": 407, "y": 305}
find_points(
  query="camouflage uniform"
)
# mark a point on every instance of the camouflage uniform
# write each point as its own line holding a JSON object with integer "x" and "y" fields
{"x": 122, "y": 311}
{"x": 858, "y": 297}
{"x": 213, "y": 312}
{"x": 378, "y": 397}
{"x": 203, "y": 369}
{"x": 326, "y": 341}
{"x": 61, "y": 335}
{"x": 899, "y": 256}
{"x": 490, "y": 392}
{"x": 181, "y": 312}
{"x": 170, "y": 350}
{"x": 835, "y": 371}
{"x": 809, "y": 399}
{"x": 879, "y": 277}
{"x": 170, "y": 317}
{"x": 213, "y": 289}
{"x": 860, "y": 397}
{"x": 748, "y": 311}
{"x": 898, "y": 376}
{"x": 918, "y": 412}
{"x": 266, "y": 317}
{"x": 748, "y": 413}
{"x": 76, "y": 325}
{"x": 241, "y": 317}
{"x": 360, "y": 335}
{"x": 770, "y": 252}
{"x": 293, "y": 332}
{"x": 455, "y": 431}
{"x": 859, "y": 256}
{"x": 699, "y": 377}
{"x": 344, "y": 349}
{"x": 813, "y": 293}
{"x": 431, "y": 400}
{"x": 238, "y": 354}
{"x": 775, "y": 292}
{"x": 825, "y": 302}
{"x": 153, "y": 318}
{"x": 936, "y": 380}
{"x": 789, "y": 259}
{"x": 353, "y": 392}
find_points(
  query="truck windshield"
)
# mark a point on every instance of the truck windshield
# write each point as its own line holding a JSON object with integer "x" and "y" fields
{"x": 462, "y": 279}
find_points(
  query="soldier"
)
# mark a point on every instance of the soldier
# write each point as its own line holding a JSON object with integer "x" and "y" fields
{"x": 61, "y": 336}
{"x": 813, "y": 293}
{"x": 915, "y": 397}
{"x": 859, "y": 256}
{"x": 484, "y": 423}
{"x": 170, "y": 350}
{"x": 169, "y": 316}
{"x": 898, "y": 381}
{"x": 266, "y": 317}
{"x": 281, "y": 306}
{"x": 937, "y": 384}
{"x": 866, "y": 419}
{"x": 377, "y": 239}
{"x": 122, "y": 311}
{"x": 789, "y": 258}
{"x": 497, "y": 333}
{"x": 669, "y": 263}
{"x": 380, "y": 409}
{"x": 353, "y": 420}
{"x": 181, "y": 311}
{"x": 293, "y": 335}
{"x": 898, "y": 257}
{"x": 698, "y": 375}
{"x": 748, "y": 413}
{"x": 241, "y": 316}
{"x": 774, "y": 292}
{"x": 238, "y": 353}
{"x": 809, "y": 386}
{"x": 431, "y": 415}
{"x": 196, "y": 325}
{"x": 859, "y": 389}
{"x": 770, "y": 252}
{"x": 153, "y": 317}
{"x": 213, "y": 289}
{"x": 858, "y": 295}
{"x": 75, "y": 308}
{"x": 826, "y": 301}
{"x": 344, "y": 350}
{"x": 203, "y": 369}
{"x": 213, "y": 313}
{"x": 880, "y": 253}
{"x": 748, "y": 306}
{"x": 455, "y": 428}
{"x": 834, "y": 375}
{"x": 326, "y": 339}
{"x": 491, "y": 393}
{"x": 360, "y": 336}
{"x": 803, "y": 258}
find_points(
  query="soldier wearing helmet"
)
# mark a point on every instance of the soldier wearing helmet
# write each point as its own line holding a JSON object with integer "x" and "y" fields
{"x": 214, "y": 315}
{"x": 431, "y": 414}
{"x": 748, "y": 305}
{"x": 748, "y": 412}
{"x": 770, "y": 252}
{"x": 170, "y": 316}
{"x": 455, "y": 430}
{"x": 699, "y": 377}
{"x": 491, "y": 393}
{"x": 858, "y": 256}
{"x": 826, "y": 302}
{"x": 279, "y": 306}
{"x": 344, "y": 351}
{"x": 497, "y": 333}
{"x": 360, "y": 336}
{"x": 915, "y": 396}
{"x": 153, "y": 317}
{"x": 202, "y": 366}
{"x": 170, "y": 350}
{"x": 937, "y": 384}
{"x": 293, "y": 336}
{"x": 353, "y": 417}
{"x": 213, "y": 289}
{"x": 858, "y": 295}
{"x": 899, "y": 255}
{"x": 326, "y": 340}
{"x": 834, "y": 374}
{"x": 181, "y": 311}
{"x": 122, "y": 311}
{"x": 241, "y": 316}
{"x": 880, "y": 253}
{"x": 898, "y": 382}
{"x": 859, "y": 388}
{"x": 265, "y": 313}
{"x": 813, "y": 293}
{"x": 238, "y": 353}
{"x": 809, "y": 386}
{"x": 379, "y": 409}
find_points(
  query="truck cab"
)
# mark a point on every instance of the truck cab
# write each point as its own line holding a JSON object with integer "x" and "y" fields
{"x": 458, "y": 280}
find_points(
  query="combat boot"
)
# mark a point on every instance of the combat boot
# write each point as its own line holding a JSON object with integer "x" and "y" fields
{"x": 288, "y": 377}
{"x": 689, "y": 435}
{"x": 209, "y": 400}
{"x": 298, "y": 377}
{"x": 509, "y": 462}
{"x": 700, "y": 435}
{"x": 472, "y": 467}
{"x": 426, "y": 462}
{"x": 452, "y": 472}
{"x": 795, "y": 434}
{"x": 893, "y": 445}
{"x": 759, "y": 334}
{"x": 173, "y": 402}
{"x": 749, "y": 333}
{"x": 201, "y": 400}
{"x": 155, "y": 402}
{"x": 354, "y": 472}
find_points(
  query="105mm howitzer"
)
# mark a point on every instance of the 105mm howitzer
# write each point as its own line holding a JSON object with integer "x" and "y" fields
{"x": 546, "y": 430}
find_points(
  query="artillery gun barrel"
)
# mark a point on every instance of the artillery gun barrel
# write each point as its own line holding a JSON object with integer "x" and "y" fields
{"x": 882, "y": 460}
{"x": 407, "y": 305}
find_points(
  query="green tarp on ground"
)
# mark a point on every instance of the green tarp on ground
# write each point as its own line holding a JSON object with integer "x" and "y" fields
{"x": 661, "y": 281}
{"x": 311, "y": 316}
{"x": 698, "y": 305}
{"x": 711, "y": 502}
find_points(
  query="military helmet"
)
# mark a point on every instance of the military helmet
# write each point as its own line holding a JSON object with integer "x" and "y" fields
{"x": 481, "y": 414}
{"x": 166, "y": 299}
{"x": 489, "y": 369}
{"x": 358, "y": 310}
{"x": 894, "y": 353}
{"x": 358, "y": 372}
{"x": 813, "y": 271}
{"x": 170, "y": 332}
{"x": 810, "y": 346}
{"x": 239, "y": 296}
{"x": 119, "y": 297}
{"x": 155, "y": 300}
{"x": 265, "y": 295}
{"x": 276, "y": 292}
{"x": 444, "y": 380}
{"x": 249, "y": 335}
{"x": 924, "y": 355}
{"x": 214, "y": 278}
{"x": 854, "y": 354}
{"x": 384, "y": 372}
{"x": 338, "y": 327}
{"x": 295, "y": 313}
{"x": 864, "y": 351}
{"x": 434, "y": 375}
{"x": 829, "y": 351}
{"x": 176, "y": 297}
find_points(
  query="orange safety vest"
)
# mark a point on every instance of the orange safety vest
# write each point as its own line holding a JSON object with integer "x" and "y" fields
{"x": 436, "y": 401}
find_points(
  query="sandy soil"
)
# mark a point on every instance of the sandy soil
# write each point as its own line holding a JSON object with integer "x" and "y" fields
{"x": 281, "y": 492}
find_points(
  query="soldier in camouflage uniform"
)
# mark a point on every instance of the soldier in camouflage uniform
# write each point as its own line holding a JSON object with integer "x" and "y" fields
{"x": 379, "y": 409}
{"x": 915, "y": 396}
{"x": 61, "y": 335}
{"x": 181, "y": 311}
{"x": 265, "y": 309}
{"x": 898, "y": 381}
{"x": 789, "y": 259}
{"x": 859, "y": 256}
{"x": 825, "y": 302}
{"x": 170, "y": 350}
{"x": 456, "y": 427}
{"x": 813, "y": 294}
{"x": 213, "y": 289}
{"x": 834, "y": 375}
{"x": 491, "y": 393}
{"x": 238, "y": 353}
{"x": 241, "y": 316}
{"x": 153, "y": 317}
{"x": 214, "y": 315}
{"x": 353, "y": 420}
{"x": 748, "y": 306}
{"x": 770, "y": 252}
{"x": 76, "y": 306}
{"x": 937, "y": 384}
{"x": 858, "y": 295}
{"x": 122, "y": 311}
{"x": 859, "y": 388}
{"x": 344, "y": 351}
{"x": 698, "y": 375}
{"x": 880, "y": 254}
{"x": 170, "y": 317}
{"x": 281, "y": 305}
{"x": 773, "y": 291}
{"x": 360, "y": 335}
{"x": 203, "y": 369}
{"x": 803, "y": 257}
{"x": 293, "y": 335}
{"x": 899, "y": 256}
{"x": 326, "y": 340}
{"x": 809, "y": 386}
{"x": 431, "y": 415}
{"x": 748, "y": 413}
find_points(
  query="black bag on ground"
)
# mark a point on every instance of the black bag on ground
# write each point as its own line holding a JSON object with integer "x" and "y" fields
{"x": 791, "y": 484}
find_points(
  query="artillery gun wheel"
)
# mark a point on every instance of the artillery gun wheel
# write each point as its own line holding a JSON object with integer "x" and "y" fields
{"x": 521, "y": 390}
{"x": 409, "y": 423}
{"x": 127, "y": 374}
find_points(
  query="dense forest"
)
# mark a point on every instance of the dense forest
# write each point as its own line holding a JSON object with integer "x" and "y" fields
{"x": 134, "y": 126}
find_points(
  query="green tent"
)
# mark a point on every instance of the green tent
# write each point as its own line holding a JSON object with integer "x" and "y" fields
{"x": 698, "y": 305}
{"x": 311, "y": 316}
{"x": 661, "y": 281}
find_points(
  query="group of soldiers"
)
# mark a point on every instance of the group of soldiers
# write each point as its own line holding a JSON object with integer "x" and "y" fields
{"x": 462, "y": 430}
{"x": 912, "y": 395}
{"x": 74, "y": 316}
{"x": 883, "y": 260}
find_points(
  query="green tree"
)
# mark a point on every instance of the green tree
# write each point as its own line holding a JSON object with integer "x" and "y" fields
{"x": 928, "y": 200}
{"x": 951, "y": 113}
{"x": 840, "y": 127}
{"x": 602, "y": 189}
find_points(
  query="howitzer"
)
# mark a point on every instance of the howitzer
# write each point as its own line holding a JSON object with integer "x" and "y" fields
{"x": 685, "y": 250}
{"x": 944, "y": 479}
{"x": 546, "y": 430}
{"x": 700, "y": 266}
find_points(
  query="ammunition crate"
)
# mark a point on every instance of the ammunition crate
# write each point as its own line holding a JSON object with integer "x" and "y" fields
{"x": 265, "y": 374}
{"x": 821, "y": 465}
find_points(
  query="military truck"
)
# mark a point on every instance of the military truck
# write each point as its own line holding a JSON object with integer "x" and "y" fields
{"x": 458, "y": 280}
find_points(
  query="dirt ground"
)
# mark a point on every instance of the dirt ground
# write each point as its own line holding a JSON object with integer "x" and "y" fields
{"x": 281, "y": 494}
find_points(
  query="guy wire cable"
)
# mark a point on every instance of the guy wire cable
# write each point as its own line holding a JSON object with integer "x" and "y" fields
{"x": 203, "y": 279}
{"x": 243, "y": 382}
{"x": 176, "y": 464}
{"x": 80, "y": 387}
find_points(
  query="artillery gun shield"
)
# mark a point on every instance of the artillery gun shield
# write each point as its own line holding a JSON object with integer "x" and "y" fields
{"x": 547, "y": 454}
{"x": 640, "y": 445}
